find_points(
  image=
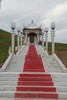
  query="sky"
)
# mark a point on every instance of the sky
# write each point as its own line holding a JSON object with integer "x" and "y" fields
{"x": 43, "y": 12}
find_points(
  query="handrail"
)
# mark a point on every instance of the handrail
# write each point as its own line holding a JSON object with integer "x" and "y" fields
{"x": 60, "y": 63}
{"x": 5, "y": 65}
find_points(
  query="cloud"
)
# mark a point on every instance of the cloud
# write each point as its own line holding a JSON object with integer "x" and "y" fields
{"x": 59, "y": 10}
{"x": 43, "y": 12}
{"x": 61, "y": 36}
{"x": 54, "y": 14}
{"x": 59, "y": 15}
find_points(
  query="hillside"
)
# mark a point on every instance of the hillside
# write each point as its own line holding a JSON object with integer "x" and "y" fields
{"x": 5, "y": 40}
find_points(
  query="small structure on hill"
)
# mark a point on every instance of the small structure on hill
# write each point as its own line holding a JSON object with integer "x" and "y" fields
{"x": 32, "y": 33}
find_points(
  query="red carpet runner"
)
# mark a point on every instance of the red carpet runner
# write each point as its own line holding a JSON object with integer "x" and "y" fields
{"x": 33, "y": 62}
{"x": 35, "y": 85}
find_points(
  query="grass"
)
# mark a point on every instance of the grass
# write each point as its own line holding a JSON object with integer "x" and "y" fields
{"x": 58, "y": 47}
{"x": 5, "y": 40}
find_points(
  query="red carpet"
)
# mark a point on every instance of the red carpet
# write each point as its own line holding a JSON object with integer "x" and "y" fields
{"x": 35, "y": 85}
{"x": 33, "y": 62}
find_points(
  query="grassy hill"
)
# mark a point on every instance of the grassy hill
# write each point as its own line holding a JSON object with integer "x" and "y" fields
{"x": 5, "y": 40}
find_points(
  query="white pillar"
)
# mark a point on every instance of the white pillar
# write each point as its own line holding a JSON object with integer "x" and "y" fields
{"x": 52, "y": 40}
{"x": 37, "y": 39}
{"x": 26, "y": 39}
{"x": 46, "y": 39}
{"x": 21, "y": 41}
{"x": 42, "y": 39}
{"x": 13, "y": 40}
{"x": 18, "y": 42}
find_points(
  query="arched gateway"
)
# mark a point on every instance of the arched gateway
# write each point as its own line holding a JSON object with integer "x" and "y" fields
{"x": 32, "y": 33}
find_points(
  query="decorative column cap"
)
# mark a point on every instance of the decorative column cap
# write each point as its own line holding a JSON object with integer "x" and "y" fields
{"x": 32, "y": 21}
{"x": 21, "y": 30}
{"x": 52, "y": 25}
{"x": 42, "y": 31}
{"x": 18, "y": 29}
{"x": 13, "y": 25}
{"x": 46, "y": 29}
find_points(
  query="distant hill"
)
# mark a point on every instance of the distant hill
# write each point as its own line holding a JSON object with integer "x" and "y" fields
{"x": 5, "y": 41}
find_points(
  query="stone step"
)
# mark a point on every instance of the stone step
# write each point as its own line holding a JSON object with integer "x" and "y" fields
{"x": 62, "y": 89}
{"x": 35, "y": 75}
{"x": 12, "y": 94}
{"x": 55, "y": 77}
{"x": 9, "y": 98}
{"x": 9, "y": 79}
{"x": 15, "y": 76}
{"x": 56, "y": 71}
{"x": 59, "y": 80}
{"x": 5, "y": 83}
{"x": 53, "y": 69}
{"x": 33, "y": 83}
{"x": 60, "y": 83}
{"x": 35, "y": 79}
{"x": 28, "y": 88}
{"x": 33, "y": 88}
{"x": 36, "y": 83}
{"x": 28, "y": 94}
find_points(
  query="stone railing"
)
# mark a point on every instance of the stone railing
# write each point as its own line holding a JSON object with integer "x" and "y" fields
{"x": 5, "y": 65}
{"x": 64, "y": 69}
{"x": 20, "y": 50}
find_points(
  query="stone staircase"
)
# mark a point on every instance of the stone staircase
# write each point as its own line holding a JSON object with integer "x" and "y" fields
{"x": 30, "y": 86}
{"x": 49, "y": 61}
{"x": 51, "y": 84}
{"x": 36, "y": 85}
{"x": 17, "y": 62}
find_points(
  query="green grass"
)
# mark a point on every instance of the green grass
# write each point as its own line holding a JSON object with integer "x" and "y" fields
{"x": 58, "y": 47}
{"x": 5, "y": 40}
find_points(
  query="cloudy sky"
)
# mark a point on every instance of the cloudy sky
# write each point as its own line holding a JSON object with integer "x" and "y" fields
{"x": 43, "y": 12}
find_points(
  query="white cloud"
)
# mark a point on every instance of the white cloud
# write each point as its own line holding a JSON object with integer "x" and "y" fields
{"x": 59, "y": 10}
{"x": 41, "y": 11}
{"x": 54, "y": 14}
